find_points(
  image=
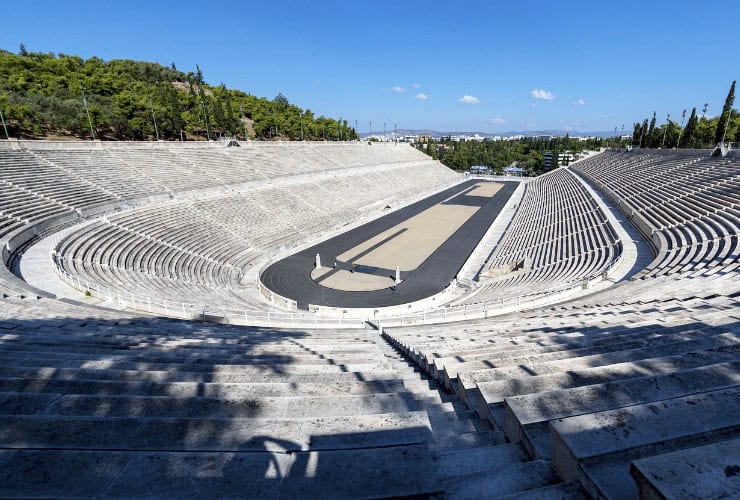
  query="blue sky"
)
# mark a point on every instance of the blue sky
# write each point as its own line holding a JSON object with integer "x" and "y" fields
{"x": 454, "y": 65}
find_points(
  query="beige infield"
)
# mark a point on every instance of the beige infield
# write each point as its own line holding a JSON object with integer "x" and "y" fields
{"x": 351, "y": 282}
{"x": 408, "y": 244}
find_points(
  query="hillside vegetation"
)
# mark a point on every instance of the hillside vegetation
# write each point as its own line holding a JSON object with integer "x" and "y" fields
{"x": 43, "y": 95}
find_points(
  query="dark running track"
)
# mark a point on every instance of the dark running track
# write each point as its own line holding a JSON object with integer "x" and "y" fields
{"x": 291, "y": 276}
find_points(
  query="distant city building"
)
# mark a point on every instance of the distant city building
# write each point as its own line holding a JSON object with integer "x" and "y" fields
{"x": 479, "y": 169}
{"x": 513, "y": 170}
{"x": 547, "y": 156}
{"x": 564, "y": 158}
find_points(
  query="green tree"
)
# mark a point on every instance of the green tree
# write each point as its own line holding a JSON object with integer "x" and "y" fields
{"x": 690, "y": 136}
{"x": 281, "y": 102}
{"x": 725, "y": 116}
{"x": 706, "y": 129}
{"x": 651, "y": 136}
{"x": 644, "y": 134}
{"x": 174, "y": 110}
{"x": 232, "y": 123}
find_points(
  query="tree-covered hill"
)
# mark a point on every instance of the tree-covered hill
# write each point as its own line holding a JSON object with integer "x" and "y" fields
{"x": 44, "y": 95}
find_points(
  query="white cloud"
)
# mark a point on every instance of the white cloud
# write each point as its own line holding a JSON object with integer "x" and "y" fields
{"x": 468, "y": 99}
{"x": 541, "y": 94}
{"x": 579, "y": 102}
{"x": 498, "y": 121}
{"x": 417, "y": 86}
{"x": 398, "y": 90}
{"x": 421, "y": 97}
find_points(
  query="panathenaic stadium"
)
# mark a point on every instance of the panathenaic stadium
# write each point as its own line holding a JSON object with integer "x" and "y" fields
{"x": 347, "y": 320}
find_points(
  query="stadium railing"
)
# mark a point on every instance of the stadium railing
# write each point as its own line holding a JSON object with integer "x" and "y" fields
{"x": 322, "y": 319}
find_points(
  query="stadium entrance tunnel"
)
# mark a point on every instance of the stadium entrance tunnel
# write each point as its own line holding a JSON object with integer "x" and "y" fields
{"x": 406, "y": 256}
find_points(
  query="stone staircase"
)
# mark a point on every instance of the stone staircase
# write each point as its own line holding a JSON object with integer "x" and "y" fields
{"x": 97, "y": 403}
{"x": 603, "y": 391}
{"x": 473, "y": 459}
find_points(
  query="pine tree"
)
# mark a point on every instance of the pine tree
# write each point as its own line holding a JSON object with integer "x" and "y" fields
{"x": 644, "y": 134}
{"x": 22, "y": 50}
{"x": 637, "y": 129}
{"x": 691, "y": 132}
{"x": 723, "y": 118}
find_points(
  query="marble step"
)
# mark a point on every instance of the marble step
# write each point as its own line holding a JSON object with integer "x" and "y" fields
{"x": 527, "y": 417}
{"x": 198, "y": 389}
{"x": 561, "y": 491}
{"x": 198, "y": 377}
{"x": 667, "y": 344}
{"x": 504, "y": 481}
{"x": 596, "y": 448}
{"x": 242, "y": 407}
{"x": 257, "y": 434}
{"x": 710, "y": 471}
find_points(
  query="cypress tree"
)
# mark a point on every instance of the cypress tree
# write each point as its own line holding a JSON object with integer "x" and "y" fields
{"x": 723, "y": 118}
{"x": 651, "y": 133}
{"x": 691, "y": 133}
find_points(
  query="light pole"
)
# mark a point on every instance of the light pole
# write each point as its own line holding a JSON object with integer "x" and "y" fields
{"x": 205, "y": 118}
{"x": 154, "y": 118}
{"x": 668, "y": 121}
{"x": 727, "y": 122}
{"x": 274, "y": 121}
{"x": 2, "y": 119}
{"x": 87, "y": 110}
{"x": 244, "y": 122}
